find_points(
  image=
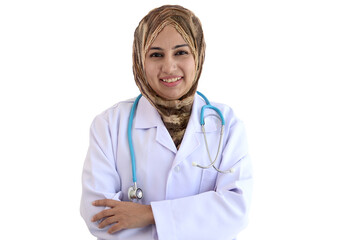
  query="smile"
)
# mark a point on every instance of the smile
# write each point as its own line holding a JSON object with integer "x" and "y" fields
{"x": 170, "y": 80}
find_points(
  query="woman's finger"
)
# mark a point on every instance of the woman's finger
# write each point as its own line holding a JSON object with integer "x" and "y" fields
{"x": 117, "y": 227}
{"x": 105, "y": 203}
{"x": 103, "y": 214}
{"x": 107, "y": 221}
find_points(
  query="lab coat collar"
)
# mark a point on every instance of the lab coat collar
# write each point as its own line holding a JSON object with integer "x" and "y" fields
{"x": 210, "y": 124}
{"x": 149, "y": 115}
{"x": 150, "y": 118}
{"x": 192, "y": 138}
{"x": 153, "y": 119}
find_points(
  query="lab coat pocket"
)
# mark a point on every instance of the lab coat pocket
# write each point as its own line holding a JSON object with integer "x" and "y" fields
{"x": 208, "y": 180}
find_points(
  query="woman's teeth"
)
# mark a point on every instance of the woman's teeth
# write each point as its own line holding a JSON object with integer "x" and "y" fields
{"x": 170, "y": 80}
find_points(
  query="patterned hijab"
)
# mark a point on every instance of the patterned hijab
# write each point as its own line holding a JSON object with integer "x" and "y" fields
{"x": 174, "y": 113}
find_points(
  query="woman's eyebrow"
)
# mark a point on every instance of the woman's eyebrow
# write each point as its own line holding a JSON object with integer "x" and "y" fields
{"x": 177, "y": 46}
{"x": 155, "y": 48}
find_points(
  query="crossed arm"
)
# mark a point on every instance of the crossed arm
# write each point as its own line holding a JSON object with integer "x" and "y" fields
{"x": 123, "y": 215}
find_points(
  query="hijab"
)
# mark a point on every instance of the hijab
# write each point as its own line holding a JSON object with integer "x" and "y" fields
{"x": 174, "y": 113}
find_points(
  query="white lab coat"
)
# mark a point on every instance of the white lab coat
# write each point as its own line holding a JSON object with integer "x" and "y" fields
{"x": 187, "y": 202}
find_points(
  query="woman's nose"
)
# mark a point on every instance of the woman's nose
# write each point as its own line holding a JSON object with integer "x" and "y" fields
{"x": 169, "y": 65}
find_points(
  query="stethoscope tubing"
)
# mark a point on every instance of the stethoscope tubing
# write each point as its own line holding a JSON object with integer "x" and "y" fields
{"x": 129, "y": 131}
{"x": 133, "y": 190}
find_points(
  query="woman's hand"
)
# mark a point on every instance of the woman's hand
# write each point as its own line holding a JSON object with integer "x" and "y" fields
{"x": 123, "y": 215}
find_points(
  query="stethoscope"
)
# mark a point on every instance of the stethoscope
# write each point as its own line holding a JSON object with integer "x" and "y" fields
{"x": 136, "y": 193}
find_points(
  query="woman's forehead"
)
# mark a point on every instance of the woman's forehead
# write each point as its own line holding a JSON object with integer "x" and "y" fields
{"x": 168, "y": 38}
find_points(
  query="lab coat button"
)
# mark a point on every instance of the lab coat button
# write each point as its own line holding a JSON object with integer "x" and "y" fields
{"x": 177, "y": 169}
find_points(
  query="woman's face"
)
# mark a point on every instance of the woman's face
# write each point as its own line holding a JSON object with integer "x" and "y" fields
{"x": 170, "y": 65}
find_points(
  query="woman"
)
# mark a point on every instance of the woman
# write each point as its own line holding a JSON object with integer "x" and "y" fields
{"x": 181, "y": 200}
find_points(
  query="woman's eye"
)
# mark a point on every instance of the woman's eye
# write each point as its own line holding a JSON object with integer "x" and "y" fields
{"x": 156, "y": 54}
{"x": 181, "y": 53}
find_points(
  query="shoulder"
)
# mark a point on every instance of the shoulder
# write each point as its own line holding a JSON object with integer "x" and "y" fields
{"x": 227, "y": 111}
{"x": 233, "y": 123}
{"x": 115, "y": 113}
{"x": 235, "y": 132}
{"x": 234, "y": 126}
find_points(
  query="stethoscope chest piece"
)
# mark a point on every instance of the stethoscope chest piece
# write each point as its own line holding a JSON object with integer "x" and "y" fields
{"x": 135, "y": 193}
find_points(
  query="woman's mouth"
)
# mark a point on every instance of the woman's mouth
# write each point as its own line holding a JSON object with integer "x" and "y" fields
{"x": 171, "y": 80}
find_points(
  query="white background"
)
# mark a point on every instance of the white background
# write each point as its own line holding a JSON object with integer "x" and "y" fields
{"x": 290, "y": 69}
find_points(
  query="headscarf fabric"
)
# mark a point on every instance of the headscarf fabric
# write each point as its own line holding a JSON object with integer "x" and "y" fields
{"x": 174, "y": 113}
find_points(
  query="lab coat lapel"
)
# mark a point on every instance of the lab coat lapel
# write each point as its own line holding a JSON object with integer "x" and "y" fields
{"x": 191, "y": 139}
{"x": 193, "y": 135}
{"x": 151, "y": 118}
{"x": 188, "y": 145}
{"x": 148, "y": 116}
{"x": 163, "y": 137}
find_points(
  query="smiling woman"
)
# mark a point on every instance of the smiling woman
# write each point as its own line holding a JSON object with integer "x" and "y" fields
{"x": 168, "y": 45}
{"x": 170, "y": 65}
{"x": 181, "y": 185}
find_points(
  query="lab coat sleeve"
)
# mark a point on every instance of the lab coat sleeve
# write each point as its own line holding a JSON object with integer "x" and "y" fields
{"x": 100, "y": 179}
{"x": 218, "y": 214}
